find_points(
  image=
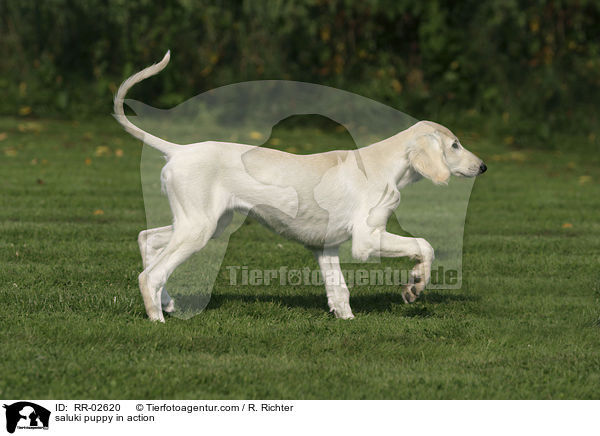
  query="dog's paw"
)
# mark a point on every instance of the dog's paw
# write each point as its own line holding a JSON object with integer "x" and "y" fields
{"x": 417, "y": 288}
{"x": 157, "y": 318}
{"x": 342, "y": 311}
{"x": 409, "y": 293}
{"x": 346, "y": 315}
{"x": 419, "y": 277}
{"x": 169, "y": 307}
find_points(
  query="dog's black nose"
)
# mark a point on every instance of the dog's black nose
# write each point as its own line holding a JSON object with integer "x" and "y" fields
{"x": 482, "y": 168}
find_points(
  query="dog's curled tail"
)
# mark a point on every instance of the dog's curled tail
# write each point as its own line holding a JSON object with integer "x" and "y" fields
{"x": 166, "y": 147}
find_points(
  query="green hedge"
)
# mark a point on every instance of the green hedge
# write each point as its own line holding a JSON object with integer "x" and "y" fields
{"x": 536, "y": 60}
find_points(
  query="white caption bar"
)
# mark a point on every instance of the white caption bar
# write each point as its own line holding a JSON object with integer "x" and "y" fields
{"x": 299, "y": 417}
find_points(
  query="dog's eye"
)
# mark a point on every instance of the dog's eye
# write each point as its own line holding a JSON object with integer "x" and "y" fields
{"x": 455, "y": 144}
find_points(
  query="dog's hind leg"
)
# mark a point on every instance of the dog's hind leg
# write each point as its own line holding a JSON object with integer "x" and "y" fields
{"x": 338, "y": 295}
{"x": 151, "y": 243}
{"x": 186, "y": 239}
{"x": 197, "y": 205}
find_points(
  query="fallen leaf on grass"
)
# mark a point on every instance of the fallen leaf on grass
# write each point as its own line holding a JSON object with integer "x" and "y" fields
{"x": 518, "y": 156}
{"x": 255, "y": 135}
{"x": 3, "y": 136}
{"x": 567, "y": 226}
{"x": 119, "y": 152}
{"x": 584, "y": 179}
{"x": 10, "y": 151}
{"x": 30, "y": 127}
{"x": 98, "y": 212}
{"x": 88, "y": 161}
{"x": 102, "y": 150}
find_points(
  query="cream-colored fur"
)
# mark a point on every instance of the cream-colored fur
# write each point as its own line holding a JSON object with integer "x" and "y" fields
{"x": 319, "y": 200}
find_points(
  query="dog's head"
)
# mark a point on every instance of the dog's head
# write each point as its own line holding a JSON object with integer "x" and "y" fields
{"x": 436, "y": 153}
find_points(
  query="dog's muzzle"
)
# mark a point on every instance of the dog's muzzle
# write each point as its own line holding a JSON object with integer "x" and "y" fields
{"x": 482, "y": 168}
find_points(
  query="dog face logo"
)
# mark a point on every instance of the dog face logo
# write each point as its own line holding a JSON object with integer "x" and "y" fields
{"x": 26, "y": 415}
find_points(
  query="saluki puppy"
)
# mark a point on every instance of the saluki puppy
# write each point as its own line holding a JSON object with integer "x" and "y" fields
{"x": 319, "y": 200}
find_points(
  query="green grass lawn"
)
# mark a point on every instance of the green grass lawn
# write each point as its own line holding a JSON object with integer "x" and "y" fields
{"x": 72, "y": 322}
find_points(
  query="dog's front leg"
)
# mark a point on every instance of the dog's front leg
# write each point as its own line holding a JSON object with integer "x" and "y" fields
{"x": 378, "y": 242}
{"x": 338, "y": 295}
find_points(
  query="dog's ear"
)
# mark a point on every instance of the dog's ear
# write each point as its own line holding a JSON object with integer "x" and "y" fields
{"x": 427, "y": 158}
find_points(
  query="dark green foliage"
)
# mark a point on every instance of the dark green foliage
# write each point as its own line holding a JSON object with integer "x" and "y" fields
{"x": 537, "y": 61}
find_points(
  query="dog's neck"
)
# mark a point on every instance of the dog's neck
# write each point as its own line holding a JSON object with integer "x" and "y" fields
{"x": 388, "y": 160}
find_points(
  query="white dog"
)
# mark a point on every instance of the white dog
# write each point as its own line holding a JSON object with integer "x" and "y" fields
{"x": 319, "y": 200}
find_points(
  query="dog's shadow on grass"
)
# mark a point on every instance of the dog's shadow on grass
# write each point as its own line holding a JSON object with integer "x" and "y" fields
{"x": 367, "y": 303}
